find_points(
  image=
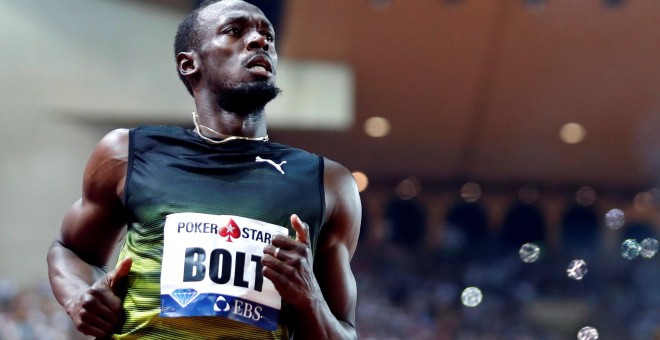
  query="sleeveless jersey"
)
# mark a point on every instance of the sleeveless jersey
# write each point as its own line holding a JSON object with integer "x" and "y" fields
{"x": 171, "y": 170}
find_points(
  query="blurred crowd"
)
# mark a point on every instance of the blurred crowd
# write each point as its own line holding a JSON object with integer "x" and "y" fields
{"x": 403, "y": 295}
{"x": 410, "y": 289}
{"x": 31, "y": 312}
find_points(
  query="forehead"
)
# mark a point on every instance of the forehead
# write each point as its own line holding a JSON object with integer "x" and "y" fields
{"x": 231, "y": 10}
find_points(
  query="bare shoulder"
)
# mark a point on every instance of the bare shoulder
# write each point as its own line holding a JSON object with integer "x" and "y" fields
{"x": 106, "y": 168}
{"x": 114, "y": 144}
{"x": 337, "y": 176}
{"x": 343, "y": 208}
{"x": 338, "y": 183}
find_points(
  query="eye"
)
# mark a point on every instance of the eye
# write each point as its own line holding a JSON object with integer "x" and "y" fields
{"x": 234, "y": 31}
{"x": 268, "y": 34}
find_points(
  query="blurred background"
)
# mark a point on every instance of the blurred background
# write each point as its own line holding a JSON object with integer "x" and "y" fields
{"x": 472, "y": 127}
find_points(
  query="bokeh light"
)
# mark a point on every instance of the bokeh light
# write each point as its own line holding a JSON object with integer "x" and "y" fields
{"x": 649, "y": 247}
{"x": 585, "y": 196}
{"x": 572, "y": 133}
{"x": 529, "y": 252}
{"x": 377, "y": 127}
{"x": 577, "y": 269}
{"x": 470, "y": 192}
{"x": 408, "y": 188}
{"x": 655, "y": 193}
{"x": 587, "y": 333}
{"x": 643, "y": 201}
{"x": 471, "y": 296}
{"x": 630, "y": 249}
{"x": 615, "y": 219}
{"x": 361, "y": 179}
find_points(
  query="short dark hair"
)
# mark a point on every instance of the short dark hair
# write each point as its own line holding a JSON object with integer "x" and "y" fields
{"x": 187, "y": 37}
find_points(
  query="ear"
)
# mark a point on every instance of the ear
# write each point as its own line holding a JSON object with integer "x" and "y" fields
{"x": 187, "y": 63}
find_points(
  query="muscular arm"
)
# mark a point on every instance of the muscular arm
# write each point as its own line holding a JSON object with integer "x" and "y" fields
{"x": 324, "y": 296}
{"x": 335, "y": 316}
{"x": 88, "y": 235}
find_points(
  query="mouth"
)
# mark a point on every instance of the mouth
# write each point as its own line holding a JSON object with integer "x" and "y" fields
{"x": 260, "y": 64}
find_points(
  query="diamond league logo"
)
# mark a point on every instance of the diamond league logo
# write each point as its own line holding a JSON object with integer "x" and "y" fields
{"x": 184, "y": 296}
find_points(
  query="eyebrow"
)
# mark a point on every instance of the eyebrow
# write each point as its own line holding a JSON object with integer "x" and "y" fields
{"x": 242, "y": 18}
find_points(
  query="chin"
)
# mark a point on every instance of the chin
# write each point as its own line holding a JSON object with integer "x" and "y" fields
{"x": 248, "y": 97}
{"x": 263, "y": 80}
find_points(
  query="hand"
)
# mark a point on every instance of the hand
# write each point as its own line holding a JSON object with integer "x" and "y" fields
{"x": 291, "y": 271}
{"x": 97, "y": 311}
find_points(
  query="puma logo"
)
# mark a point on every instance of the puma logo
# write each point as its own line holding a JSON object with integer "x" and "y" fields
{"x": 270, "y": 161}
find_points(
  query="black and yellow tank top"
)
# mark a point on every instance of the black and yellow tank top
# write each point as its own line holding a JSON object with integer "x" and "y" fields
{"x": 171, "y": 170}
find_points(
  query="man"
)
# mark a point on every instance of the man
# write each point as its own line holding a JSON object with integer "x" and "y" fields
{"x": 196, "y": 203}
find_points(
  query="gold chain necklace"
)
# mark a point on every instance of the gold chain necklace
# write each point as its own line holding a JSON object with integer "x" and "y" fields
{"x": 225, "y": 138}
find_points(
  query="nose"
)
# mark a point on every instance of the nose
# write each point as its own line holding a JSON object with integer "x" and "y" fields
{"x": 256, "y": 40}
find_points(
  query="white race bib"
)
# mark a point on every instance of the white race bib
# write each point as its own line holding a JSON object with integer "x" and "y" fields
{"x": 212, "y": 267}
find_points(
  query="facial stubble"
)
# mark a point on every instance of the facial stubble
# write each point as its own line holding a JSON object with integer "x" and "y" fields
{"x": 247, "y": 98}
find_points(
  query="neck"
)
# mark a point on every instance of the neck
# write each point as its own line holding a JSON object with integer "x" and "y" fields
{"x": 229, "y": 123}
{"x": 222, "y": 137}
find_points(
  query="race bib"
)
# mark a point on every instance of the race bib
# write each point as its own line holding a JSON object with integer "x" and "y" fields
{"x": 212, "y": 267}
